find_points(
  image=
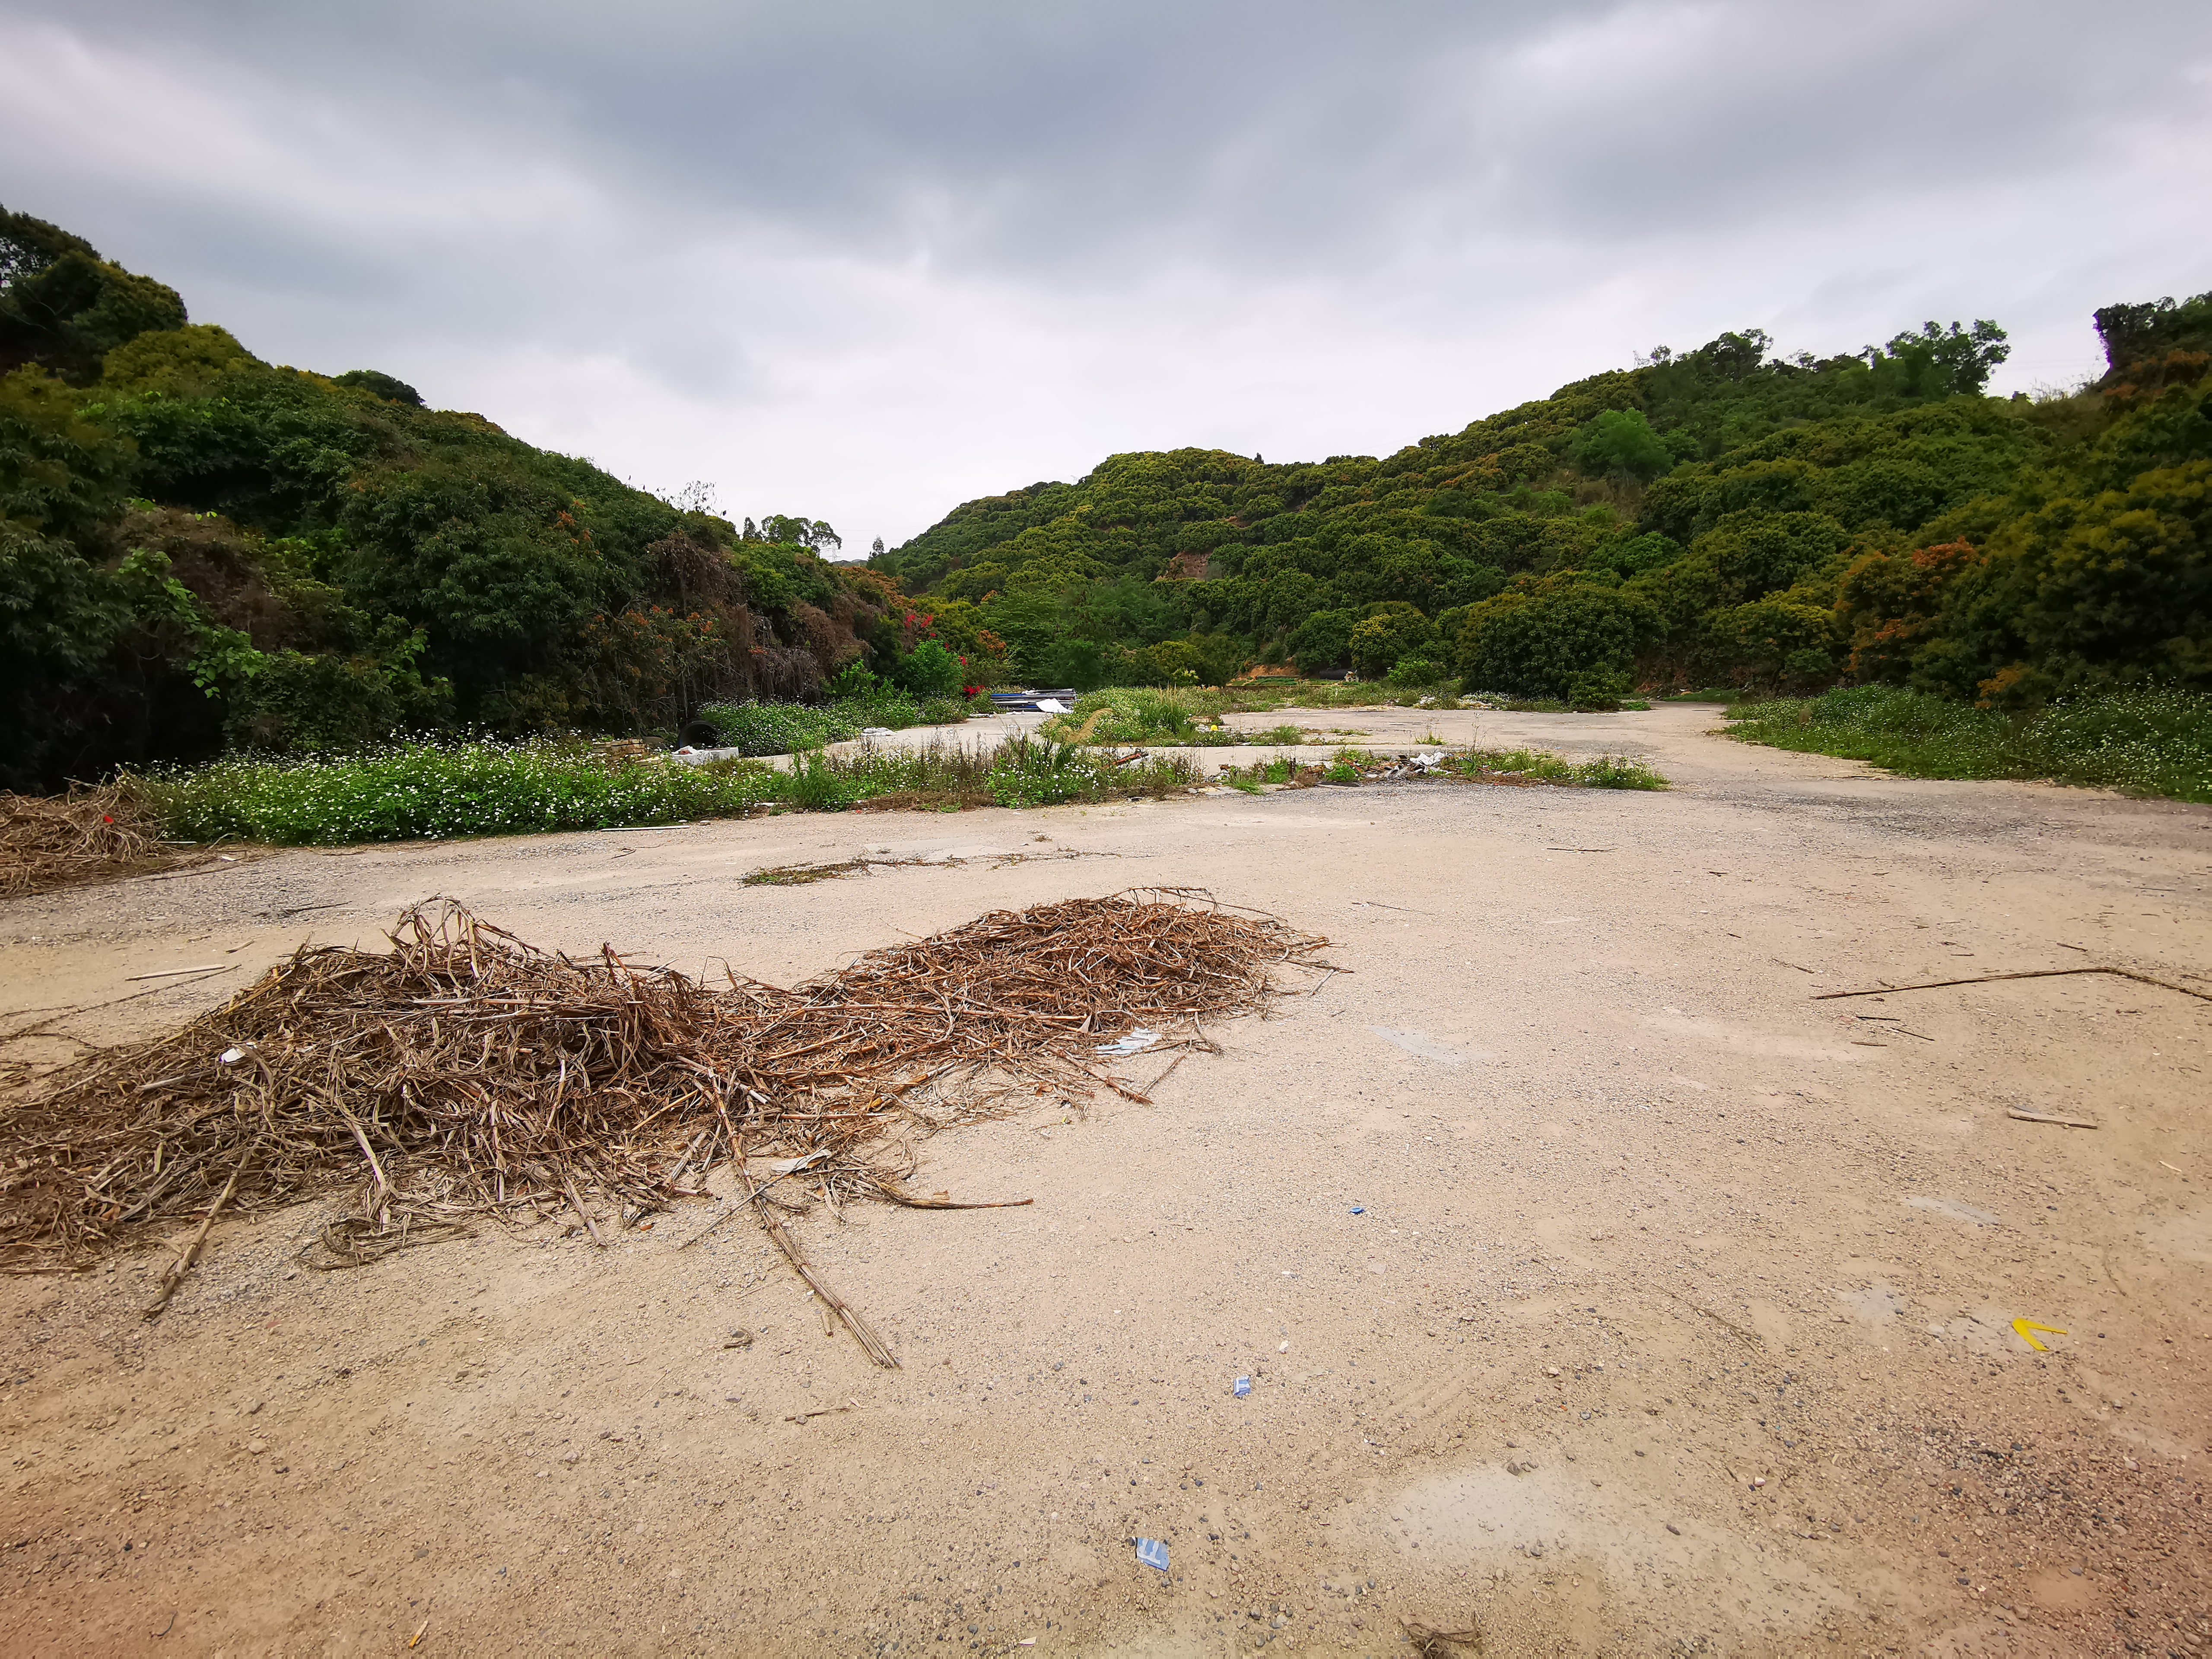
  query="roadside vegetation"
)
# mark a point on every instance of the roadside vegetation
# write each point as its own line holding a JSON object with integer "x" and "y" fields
{"x": 2145, "y": 742}
{"x": 432, "y": 791}
{"x": 1479, "y": 765}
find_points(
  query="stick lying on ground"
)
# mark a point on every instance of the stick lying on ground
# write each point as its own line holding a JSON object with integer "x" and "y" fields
{"x": 466, "y": 1071}
{"x": 2045, "y": 1117}
{"x": 1992, "y": 979}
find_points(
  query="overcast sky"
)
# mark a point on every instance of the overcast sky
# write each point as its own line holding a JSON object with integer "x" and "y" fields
{"x": 864, "y": 261}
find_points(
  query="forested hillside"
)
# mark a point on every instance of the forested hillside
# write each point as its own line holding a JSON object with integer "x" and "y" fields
{"x": 199, "y": 549}
{"x": 202, "y": 551}
{"x": 1722, "y": 516}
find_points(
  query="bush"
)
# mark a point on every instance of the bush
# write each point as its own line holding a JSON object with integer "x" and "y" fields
{"x": 1038, "y": 771}
{"x": 930, "y": 671}
{"x": 1598, "y": 693}
{"x": 781, "y": 729}
{"x": 1416, "y": 671}
{"x": 787, "y": 728}
{"x": 1537, "y": 641}
{"x": 1128, "y": 713}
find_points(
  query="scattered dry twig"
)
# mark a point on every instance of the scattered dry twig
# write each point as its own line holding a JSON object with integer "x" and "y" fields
{"x": 2045, "y": 1117}
{"x": 86, "y": 834}
{"x": 464, "y": 1071}
{"x": 2032, "y": 973}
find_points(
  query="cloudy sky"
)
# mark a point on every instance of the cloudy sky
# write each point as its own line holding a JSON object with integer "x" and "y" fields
{"x": 863, "y": 261}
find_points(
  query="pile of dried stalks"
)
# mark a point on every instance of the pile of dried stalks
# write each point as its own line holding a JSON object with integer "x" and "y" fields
{"x": 464, "y": 1072}
{"x": 86, "y": 834}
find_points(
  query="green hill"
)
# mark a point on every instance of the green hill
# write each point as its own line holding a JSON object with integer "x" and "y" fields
{"x": 199, "y": 549}
{"x": 1720, "y": 516}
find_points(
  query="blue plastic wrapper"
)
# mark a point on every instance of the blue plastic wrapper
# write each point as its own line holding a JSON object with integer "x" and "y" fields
{"x": 1241, "y": 1387}
{"x": 1152, "y": 1552}
{"x": 1359, "y": 1209}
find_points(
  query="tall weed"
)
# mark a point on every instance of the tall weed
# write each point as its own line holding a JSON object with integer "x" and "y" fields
{"x": 2149, "y": 741}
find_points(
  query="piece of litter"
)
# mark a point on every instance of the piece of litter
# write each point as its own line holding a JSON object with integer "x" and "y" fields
{"x": 792, "y": 1166}
{"x": 1359, "y": 1209}
{"x": 1284, "y": 1347}
{"x": 231, "y": 1056}
{"x": 1241, "y": 1387}
{"x": 1135, "y": 1043}
{"x": 1152, "y": 1552}
{"x": 2021, "y": 1328}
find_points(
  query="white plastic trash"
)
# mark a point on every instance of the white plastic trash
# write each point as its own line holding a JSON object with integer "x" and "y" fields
{"x": 1051, "y": 706}
{"x": 1135, "y": 1043}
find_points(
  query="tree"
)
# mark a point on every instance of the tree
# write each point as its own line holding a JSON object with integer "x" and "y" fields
{"x": 378, "y": 384}
{"x": 1621, "y": 441}
{"x": 64, "y": 308}
{"x": 1962, "y": 359}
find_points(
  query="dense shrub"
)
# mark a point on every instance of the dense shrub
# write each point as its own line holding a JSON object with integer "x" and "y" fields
{"x": 1538, "y": 640}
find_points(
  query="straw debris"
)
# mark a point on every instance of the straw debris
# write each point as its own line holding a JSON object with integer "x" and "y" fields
{"x": 86, "y": 834}
{"x": 466, "y": 1073}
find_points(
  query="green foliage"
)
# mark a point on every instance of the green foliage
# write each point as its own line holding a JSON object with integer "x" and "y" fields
{"x": 1125, "y": 715}
{"x": 929, "y": 670}
{"x": 1415, "y": 671}
{"x": 63, "y": 307}
{"x": 1620, "y": 441}
{"x": 1391, "y": 629}
{"x": 426, "y": 791}
{"x": 2135, "y": 334}
{"x": 377, "y": 565}
{"x": 1541, "y": 637}
{"x": 382, "y": 385}
{"x": 787, "y": 728}
{"x": 1033, "y": 771}
{"x": 2152, "y": 740}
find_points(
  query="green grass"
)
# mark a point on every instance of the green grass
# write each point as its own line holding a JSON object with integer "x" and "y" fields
{"x": 2145, "y": 742}
{"x": 1542, "y": 766}
{"x": 787, "y": 728}
{"x": 436, "y": 791}
{"x": 1506, "y": 766}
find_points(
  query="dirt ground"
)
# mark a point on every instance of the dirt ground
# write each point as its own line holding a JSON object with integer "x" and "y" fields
{"x": 1601, "y": 1290}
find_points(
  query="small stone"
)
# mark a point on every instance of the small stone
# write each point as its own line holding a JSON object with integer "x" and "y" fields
{"x": 256, "y": 1447}
{"x": 255, "y": 1406}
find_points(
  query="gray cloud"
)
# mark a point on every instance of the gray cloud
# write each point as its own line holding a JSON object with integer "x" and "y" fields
{"x": 866, "y": 260}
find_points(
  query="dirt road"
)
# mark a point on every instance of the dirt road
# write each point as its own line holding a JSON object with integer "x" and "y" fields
{"x": 1599, "y": 1287}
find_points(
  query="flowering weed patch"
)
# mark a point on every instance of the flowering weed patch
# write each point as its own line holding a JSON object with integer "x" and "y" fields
{"x": 431, "y": 790}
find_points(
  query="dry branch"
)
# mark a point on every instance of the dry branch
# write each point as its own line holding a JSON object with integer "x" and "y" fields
{"x": 1992, "y": 979}
{"x": 86, "y": 834}
{"x": 464, "y": 1071}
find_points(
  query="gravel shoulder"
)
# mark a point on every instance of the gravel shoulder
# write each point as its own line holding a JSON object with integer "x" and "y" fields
{"x": 1599, "y": 1286}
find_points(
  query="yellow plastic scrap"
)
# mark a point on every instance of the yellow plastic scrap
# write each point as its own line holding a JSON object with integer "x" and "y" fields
{"x": 2021, "y": 1328}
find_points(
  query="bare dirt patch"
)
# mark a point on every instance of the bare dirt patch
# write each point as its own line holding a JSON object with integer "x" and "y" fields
{"x": 1598, "y": 1288}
